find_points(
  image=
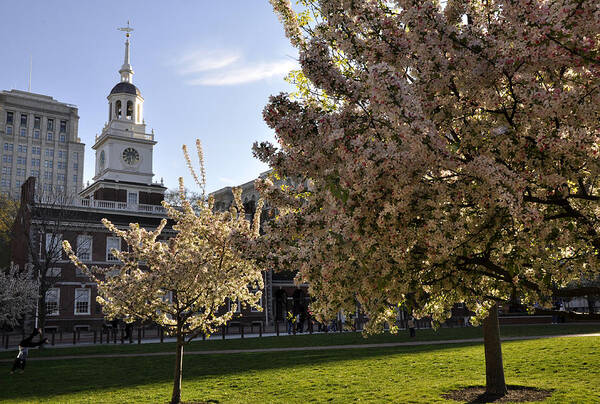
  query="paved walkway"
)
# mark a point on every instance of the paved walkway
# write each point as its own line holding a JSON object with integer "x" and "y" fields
{"x": 305, "y": 348}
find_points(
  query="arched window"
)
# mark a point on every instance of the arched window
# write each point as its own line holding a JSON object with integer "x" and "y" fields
{"x": 129, "y": 110}
{"x": 118, "y": 109}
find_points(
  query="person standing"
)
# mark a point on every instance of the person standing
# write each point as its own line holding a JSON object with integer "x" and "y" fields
{"x": 290, "y": 322}
{"x": 411, "y": 327}
{"x": 24, "y": 346}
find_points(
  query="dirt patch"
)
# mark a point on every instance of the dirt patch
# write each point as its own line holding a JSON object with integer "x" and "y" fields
{"x": 516, "y": 394}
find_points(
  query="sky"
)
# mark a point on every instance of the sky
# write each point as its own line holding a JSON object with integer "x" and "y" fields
{"x": 205, "y": 69}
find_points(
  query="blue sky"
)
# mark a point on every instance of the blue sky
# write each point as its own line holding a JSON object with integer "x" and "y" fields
{"x": 205, "y": 69}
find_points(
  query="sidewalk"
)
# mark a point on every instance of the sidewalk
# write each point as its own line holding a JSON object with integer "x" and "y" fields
{"x": 306, "y": 348}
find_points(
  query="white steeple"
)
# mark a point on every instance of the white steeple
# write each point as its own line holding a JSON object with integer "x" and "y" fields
{"x": 126, "y": 70}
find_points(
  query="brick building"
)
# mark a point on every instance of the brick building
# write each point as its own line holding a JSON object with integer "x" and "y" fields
{"x": 281, "y": 294}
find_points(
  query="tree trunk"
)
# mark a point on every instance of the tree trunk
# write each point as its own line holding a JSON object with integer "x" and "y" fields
{"x": 494, "y": 368}
{"x": 176, "y": 398}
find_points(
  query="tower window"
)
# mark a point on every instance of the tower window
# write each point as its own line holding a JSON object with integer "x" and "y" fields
{"x": 118, "y": 109}
{"x": 129, "y": 110}
{"x": 110, "y": 111}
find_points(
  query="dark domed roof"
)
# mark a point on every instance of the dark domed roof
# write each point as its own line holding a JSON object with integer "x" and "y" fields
{"x": 125, "y": 87}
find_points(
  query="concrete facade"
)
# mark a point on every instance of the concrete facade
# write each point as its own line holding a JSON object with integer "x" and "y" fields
{"x": 39, "y": 138}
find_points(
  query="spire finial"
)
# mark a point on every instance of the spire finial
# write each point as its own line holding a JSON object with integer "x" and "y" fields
{"x": 126, "y": 70}
{"x": 126, "y": 29}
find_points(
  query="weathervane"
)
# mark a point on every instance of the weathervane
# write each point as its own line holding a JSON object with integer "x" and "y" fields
{"x": 127, "y": 29}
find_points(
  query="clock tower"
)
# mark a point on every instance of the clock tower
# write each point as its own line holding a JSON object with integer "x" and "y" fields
{"x": 124, "y": 149}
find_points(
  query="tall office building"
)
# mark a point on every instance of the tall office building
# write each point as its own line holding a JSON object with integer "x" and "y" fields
{"x": 39, "y": 139}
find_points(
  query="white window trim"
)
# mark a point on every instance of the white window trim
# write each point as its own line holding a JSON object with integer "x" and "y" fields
{"x": 57, "y": 312}
{"x": 108, "y": 249}
{"x": 85, "y": 238}
{"x": 57, "y": 247}
{"x": 89, "y": 300}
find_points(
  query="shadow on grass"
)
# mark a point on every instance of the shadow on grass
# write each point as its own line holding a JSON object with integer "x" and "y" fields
{"x": 45, "y": 379}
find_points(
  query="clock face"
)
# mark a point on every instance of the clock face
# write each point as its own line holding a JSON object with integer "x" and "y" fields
{"x": 102, "y": 159}
{"x": 131, "y": 156}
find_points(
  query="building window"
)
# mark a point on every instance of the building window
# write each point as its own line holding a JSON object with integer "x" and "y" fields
{"x": 36, "y": 133}
{"x": 8, "y": 147}
{"x": 22, "y": 148}
{"x": 48, "y": 187}
{"x": 254, "y": 309}
{"x": 132, "y": 198}
{"x": 52, "y": 300}
{"x": 49, "y": 152}
{"x": 62, "y": 138}
{"x": 62, "y": 154}
{"x": 48, "y": 175}
{"x": 22, "y": 160}
{"x": 63, "y": 127}
{"x": 75, "y": 166}
{"x": 118, "y": 109}
{"x": 84, "y": 247}
{"x": 48, "y": 163}
{"x": 23, "y": 132}
{"x": 23, "y": 120}
{"x": 35, "y": 162}
{"x": 20, "y": 172}
{"x": 34, "y": 173}
{"x": 6, "y": 170}
{"x": 9, "y": 118}
{"x": 50, "y": 125}
{"x": 9, "y": 130}
{"x": 5, "y": 182}
{"x": 61, "y": 165}
{"x": 37, "y": 122}
{"x": 18, "y": 183}
{"x": 112, "y": 243}
{"x": 53, "y": 246}
{"x": 50, "y": 136}
{"x": 76, "y": 156}
{"x": 36, "y": 150}
{"x": 75, "y": 178}
{"x": 7, "y": 159}
{"x": 82, "y": 301}
{"x": 53, "y": 272}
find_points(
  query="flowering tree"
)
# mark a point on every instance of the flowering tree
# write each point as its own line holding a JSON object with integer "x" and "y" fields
{"x": 451, "y": 149}
{"x": 186, "y": 282}
{"x": 18, "y": 294}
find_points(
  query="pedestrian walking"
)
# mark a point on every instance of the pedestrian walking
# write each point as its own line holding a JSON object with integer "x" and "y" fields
{"x": 24, "y": 346}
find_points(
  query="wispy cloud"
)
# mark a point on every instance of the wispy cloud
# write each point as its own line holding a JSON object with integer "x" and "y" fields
{"x": 244, "y": 74}
{"x": 226, "y": 68}
{"x": 201, "y": 61}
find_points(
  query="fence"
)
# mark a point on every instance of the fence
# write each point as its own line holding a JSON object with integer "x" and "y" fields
{"x": 137, "y": 334}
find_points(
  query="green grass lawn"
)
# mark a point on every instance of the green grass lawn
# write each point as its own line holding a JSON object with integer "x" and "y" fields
{"x": 410, "y": 374}
{"x": 312, "y": 340}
